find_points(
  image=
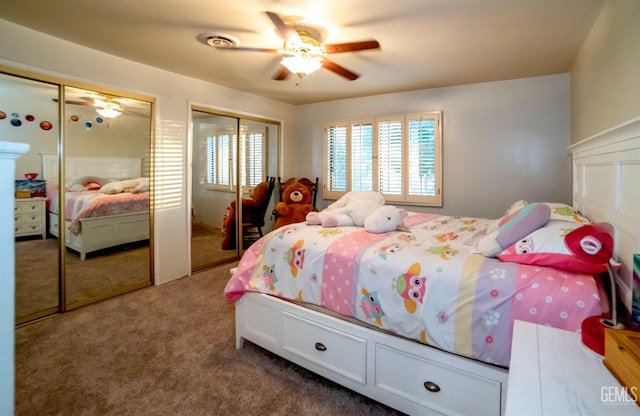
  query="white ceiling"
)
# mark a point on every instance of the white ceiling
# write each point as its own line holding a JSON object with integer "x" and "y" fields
{"x": 424, "y": 43}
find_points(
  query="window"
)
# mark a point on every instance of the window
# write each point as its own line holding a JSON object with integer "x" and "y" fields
{"x": 252, "y": 158}
{"x": 221, "y": 157}
{"x": 398, "y": 156}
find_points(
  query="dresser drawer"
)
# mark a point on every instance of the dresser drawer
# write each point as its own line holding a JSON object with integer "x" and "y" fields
{"x": 28, "y": 207}
{"x": 434, "y": 385}
{"x": 334, "y": 350}
{"x": 28, "y": 229}
{"x": 27, "y": 219}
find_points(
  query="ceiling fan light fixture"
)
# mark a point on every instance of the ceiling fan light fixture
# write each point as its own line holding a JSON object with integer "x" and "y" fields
{"x": 301, "y": 65}
{"x": 109, "y": 110}
{"x": 302, "y": 58}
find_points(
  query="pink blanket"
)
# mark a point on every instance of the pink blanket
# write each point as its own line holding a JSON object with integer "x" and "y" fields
{"x": 87, "y": 204}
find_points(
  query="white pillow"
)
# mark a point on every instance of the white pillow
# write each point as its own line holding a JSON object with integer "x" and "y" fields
{"x": 127, "y": 185}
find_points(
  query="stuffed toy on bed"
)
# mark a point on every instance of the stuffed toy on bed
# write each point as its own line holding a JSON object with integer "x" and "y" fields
{"x": 133, "y": 186}
{"x": 350, "y": 210}
{"x": 513, "y": 227}
{"x": 386, "y": 218}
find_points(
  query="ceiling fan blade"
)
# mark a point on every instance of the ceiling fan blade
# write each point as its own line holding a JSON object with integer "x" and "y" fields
{"x": 248, "y": 49}
{"x": 340, "y": 70}
{"x": 286, "y": 32}
{"x": 351, "y": 46}
{"x": 281, "y": 74}
{"x": 72, "y": 102}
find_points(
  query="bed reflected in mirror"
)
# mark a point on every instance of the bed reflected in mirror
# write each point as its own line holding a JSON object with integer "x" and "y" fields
{"x": 88, "y": 177}
{"x": 107, "y": 176}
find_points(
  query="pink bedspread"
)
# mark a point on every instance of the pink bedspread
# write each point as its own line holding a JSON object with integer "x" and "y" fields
{"x": 427, "y": 285}
{"x": 87, "y": 204}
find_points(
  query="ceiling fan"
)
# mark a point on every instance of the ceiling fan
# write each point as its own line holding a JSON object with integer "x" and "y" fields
{"x": 106, "y": 106}
{"x": 303, "y": 51}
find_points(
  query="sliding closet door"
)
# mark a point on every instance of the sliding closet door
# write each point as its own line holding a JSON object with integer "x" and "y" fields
{"x": 107, "y": 170}
{"x": 73, "y": 247}
{"x": 258, "y": 159}
{"x": 29, "y": 114}
{"x": 213, "y": 188}
{"x": 231, "y": 155}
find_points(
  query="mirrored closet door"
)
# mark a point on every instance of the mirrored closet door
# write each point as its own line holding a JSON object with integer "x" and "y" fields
{"x": 234, "y": 158}
{"x": 107, "y": 171}
{"x": 86, "y": 180}
{"x": 30, "y": 115}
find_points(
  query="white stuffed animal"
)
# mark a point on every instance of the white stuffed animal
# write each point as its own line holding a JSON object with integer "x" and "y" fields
{"x": 386, "y": 218}
{"x": 350, "y": 210}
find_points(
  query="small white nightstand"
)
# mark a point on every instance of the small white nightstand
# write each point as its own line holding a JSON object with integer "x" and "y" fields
{"x": 30, "y": 217}
{"x": 553, "y": 373}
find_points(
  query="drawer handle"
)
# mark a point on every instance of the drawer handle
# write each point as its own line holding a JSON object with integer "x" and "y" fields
{"x": 320, "y": 346}
{"x": 431, "y": 386}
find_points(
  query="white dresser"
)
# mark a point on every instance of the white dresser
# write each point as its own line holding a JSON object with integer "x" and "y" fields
{"x": 30, "y": 218}
{"x": 553, "y": 373}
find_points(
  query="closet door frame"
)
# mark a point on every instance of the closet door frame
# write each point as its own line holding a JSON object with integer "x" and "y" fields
{"x": 239, "y": 118}
{"x": 61, "y": 152}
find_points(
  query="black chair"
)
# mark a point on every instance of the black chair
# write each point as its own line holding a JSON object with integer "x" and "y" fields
{"x": 253, "y": 216}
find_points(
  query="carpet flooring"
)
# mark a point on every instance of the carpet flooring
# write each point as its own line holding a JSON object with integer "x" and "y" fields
{"x": 165, "y": 350}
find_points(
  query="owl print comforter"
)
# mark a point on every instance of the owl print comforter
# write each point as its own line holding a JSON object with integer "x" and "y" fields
{"x": 428, "y": 284}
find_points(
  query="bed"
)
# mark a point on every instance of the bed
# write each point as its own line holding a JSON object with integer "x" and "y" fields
{"x": 98, "y": 214}
{"x": 426, "y": 326}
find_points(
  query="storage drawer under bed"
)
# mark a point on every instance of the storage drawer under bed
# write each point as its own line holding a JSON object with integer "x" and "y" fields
{"x": 435, "y": 385}
{"x": 334, "y": 350}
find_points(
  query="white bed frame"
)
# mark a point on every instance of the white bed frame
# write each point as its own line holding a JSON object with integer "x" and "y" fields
{"x": 606, "y": 188}
{"x": 99, "y": 232}
{"x": 417, "y": 379}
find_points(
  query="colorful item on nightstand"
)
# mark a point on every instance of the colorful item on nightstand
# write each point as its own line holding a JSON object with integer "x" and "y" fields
{"x": 30, "y": 188}
{"x": 593, "y": 243}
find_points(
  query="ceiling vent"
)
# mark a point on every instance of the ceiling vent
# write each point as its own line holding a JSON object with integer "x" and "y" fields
{"x": 219, "y": 40}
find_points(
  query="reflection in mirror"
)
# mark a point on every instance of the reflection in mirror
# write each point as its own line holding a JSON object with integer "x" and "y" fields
{"x": 258, "y": 172}
{"x": 29, "y": 114}
{"x": 217, "y": 159}
{"x": 212, "y": 240}
{"x": 107, "y": 172}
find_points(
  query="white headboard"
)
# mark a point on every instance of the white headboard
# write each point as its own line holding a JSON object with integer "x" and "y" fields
{"x": 102, "y": 166}
{"x": 606, "y": 188}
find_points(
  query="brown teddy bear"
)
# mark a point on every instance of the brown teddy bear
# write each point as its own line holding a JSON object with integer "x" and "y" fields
{"x": 295, "y": 205}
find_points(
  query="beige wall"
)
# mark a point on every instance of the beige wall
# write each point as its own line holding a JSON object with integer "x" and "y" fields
{"x": 502, "y": 141}
{"x": 605, "y": 79}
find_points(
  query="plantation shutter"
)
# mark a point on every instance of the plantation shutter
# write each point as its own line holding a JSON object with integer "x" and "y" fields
{"x": 336, "y": 157}
{"x": 223, "y": 160}
{"x": 212, "y": 177}
{"x": 362, "y": 157}
{"x": 399, "y": 156}
{"x": 421, "y": 157}
{"x": 252, "y": 158}
{"x": 390, "y": 169}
